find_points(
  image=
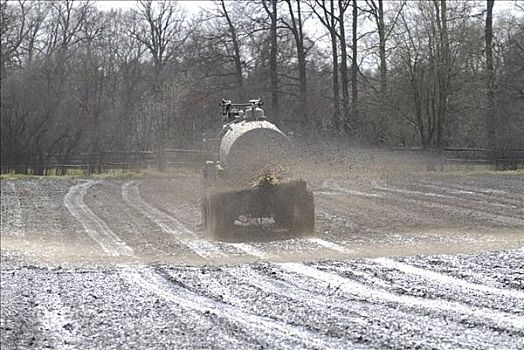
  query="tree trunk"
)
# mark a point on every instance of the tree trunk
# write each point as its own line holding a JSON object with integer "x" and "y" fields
{"x": 382, "y": 117}
{"x": 418, "y": 111}
{"x": 236, "y": 53}
{"x": 302, "y": 71}
{"x": 354, "y": 71}
{"x": 329, "y": 20}
{"x": 382, "y": 49}
{"x": 298, "y": 34}
{"x": 336, "y": 87}
{"x": 491, "y": 118}
{"x": 344, "y": 69}
{"x": 273, "y": 64}
{"x": 443, "y": 71}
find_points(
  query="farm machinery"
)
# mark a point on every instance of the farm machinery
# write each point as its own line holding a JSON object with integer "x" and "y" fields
{"x": 246, "y": 186}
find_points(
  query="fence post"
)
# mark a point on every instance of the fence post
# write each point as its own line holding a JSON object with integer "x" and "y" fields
{"x": 161, "y": 160}
{"x": 430, "y": 165}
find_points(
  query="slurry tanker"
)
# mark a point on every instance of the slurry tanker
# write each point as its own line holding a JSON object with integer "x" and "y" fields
{"x": 245, "y": 186}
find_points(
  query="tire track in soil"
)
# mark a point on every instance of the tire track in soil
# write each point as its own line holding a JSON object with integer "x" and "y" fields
{"x": 312, "y": 309}
{"x": 328, "y": 245}
{"x": 486, "y": 197}
{"x": 162, "y": 219}
{"x": 249, "y": 249}
{"x": 145, "y": 238}
{"x": 264, "y": 288}
{"x": 415, "y": 196}
{"x": 155, "y": 283}
{"x": 98, "y": 230}
{"x": 152, "y": 284}
{"x": 373, "y": 274}
{"x": 505, "y": 191}
{"x": 348, "y": 224}
{"x": 483, "y": 314}
{"x": 329, "y": 188}
{"x": 169, "y": 224}
{"x": 490, "y": 317}
{"x": 276, "y": 330}
{"x": 446, "y": 279}
{"x": 487, "y": 269}
{"x": 352, "y": 213}
{"x": 95, "y": 227}
{"x": 12, "y": 208}
{"x": 428, "y": 200}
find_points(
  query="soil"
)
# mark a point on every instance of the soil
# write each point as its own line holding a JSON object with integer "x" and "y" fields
{"x": 415, "y": 260}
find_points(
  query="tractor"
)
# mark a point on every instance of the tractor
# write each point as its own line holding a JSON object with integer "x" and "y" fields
{"x": 246, "y": 186}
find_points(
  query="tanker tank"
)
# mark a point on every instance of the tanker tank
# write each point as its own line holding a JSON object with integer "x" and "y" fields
{"x": 249, "y": 147}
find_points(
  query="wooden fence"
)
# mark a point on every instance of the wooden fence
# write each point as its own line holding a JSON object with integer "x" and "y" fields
{"x": 510, "y": 159}
{"x": 43, "y": 164}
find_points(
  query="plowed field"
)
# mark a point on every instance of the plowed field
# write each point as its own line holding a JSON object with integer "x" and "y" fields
{"x": 427, "y": 261}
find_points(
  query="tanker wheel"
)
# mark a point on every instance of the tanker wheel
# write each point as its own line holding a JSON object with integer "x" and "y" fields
{"x": 220, "y": 215}
{"x": 283, "y": 219}
{"x": 204, "y": 210}
{"x": 303, "y": 216}
{"x": 284, "y": 203}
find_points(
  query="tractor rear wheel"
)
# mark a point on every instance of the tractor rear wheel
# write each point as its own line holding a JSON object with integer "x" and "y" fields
{"x": 221, "y": 214}
{"x": 303, "y": 216}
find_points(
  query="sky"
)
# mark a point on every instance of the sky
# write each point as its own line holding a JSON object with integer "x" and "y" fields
{"x": 193, "y": 6}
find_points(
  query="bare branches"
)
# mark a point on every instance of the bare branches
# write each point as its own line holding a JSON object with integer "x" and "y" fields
{"x": 74, "y": 78}
{"x": 162, "y": 30}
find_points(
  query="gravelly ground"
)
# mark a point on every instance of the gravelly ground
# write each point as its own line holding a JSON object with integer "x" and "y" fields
{"x": 434, "y": 261}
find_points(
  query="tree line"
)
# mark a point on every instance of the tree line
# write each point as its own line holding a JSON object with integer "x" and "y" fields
{"x": 431, "y": 74}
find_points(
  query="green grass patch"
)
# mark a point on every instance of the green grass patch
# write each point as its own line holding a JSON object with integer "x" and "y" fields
{"x": 108, "y": 174}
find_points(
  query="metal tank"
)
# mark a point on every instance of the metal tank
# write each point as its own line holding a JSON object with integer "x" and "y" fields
{"x": 250, "y": 146}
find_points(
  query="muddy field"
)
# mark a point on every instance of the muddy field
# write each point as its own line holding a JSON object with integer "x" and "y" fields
{"x": 418, "y": 261}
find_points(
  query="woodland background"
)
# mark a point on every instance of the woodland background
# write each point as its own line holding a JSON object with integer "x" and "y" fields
{"x": 429, "y": 74}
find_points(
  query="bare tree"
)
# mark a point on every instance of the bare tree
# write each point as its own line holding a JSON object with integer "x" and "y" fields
{"x": 236, "y": 50}
{"x": 162, "y": 30}
{"x": 326, "y": 15}
{"x": 380, "y": 119}
{"x": 491, "y": 117}
{"x": 444, "y": 68}
{"x": 376, "y": 9}
{"x": 424, "y": 47}
{"x": 510, "y": 87}
{"x": 295, "y": 25}
{"x": 354, "y": 69}
{"x": 77, "y": 79}
{"x": 273, "y": 72}
{"x": 15, "y": 26}
{"x": 342, "y": 7}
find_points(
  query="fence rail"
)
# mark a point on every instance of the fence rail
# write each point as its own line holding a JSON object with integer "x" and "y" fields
{"x": 42, "y": 164}
{"x": 508, "y": 159}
